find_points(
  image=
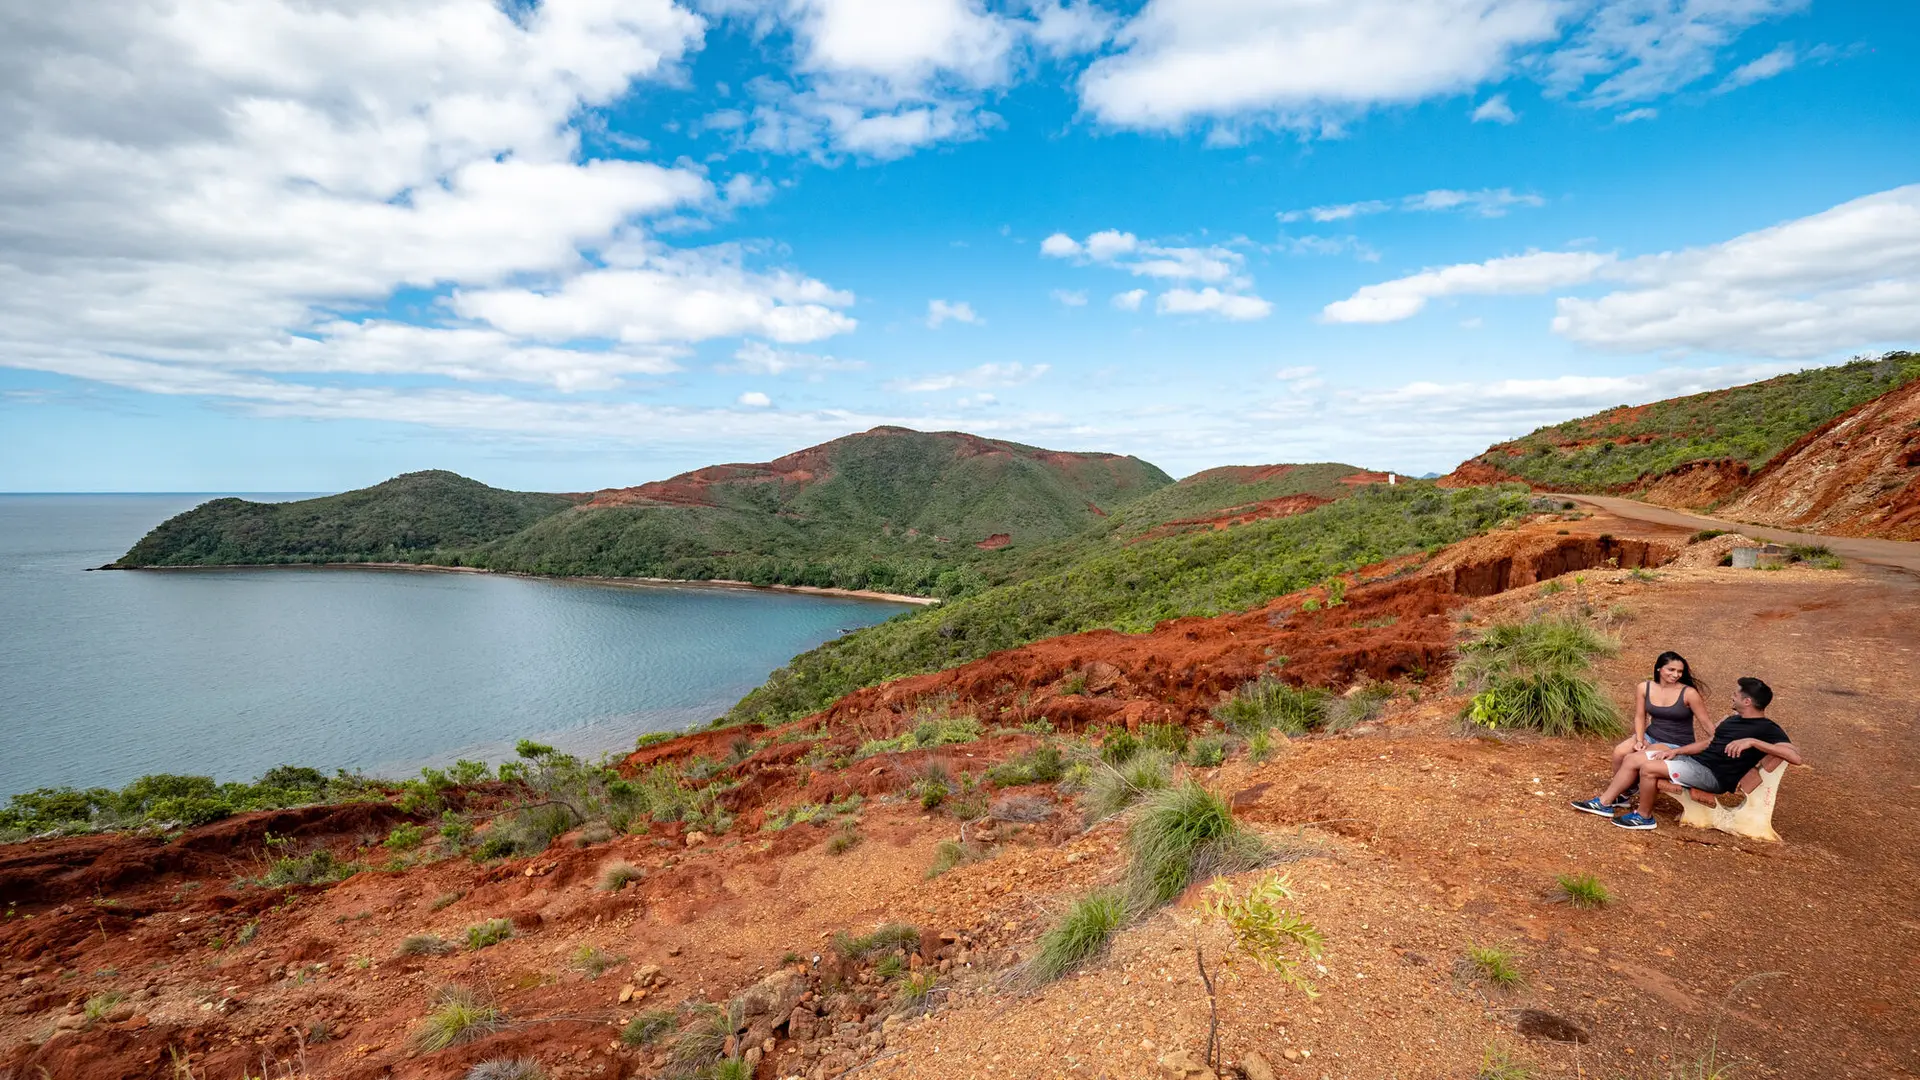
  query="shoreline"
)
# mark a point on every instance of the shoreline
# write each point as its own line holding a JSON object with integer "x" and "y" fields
{"x": 628, "y": 582}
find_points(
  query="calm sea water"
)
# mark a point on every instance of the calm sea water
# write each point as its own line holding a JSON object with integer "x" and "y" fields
{"x": 109, "y": 675}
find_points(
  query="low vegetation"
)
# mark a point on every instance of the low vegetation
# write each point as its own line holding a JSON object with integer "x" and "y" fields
{"x": 1078, "y": 936}
{"x": 1537, "y": 675}
{"x": 459, "y": 1016}
{"x": 648, "y": 1028}
{"x": 1271, "y": 704}
{"x": 507, "y": 1069}
{"x": 1183, "y": 834}
{"x": 702, "y": 1040}
{"x": 1495, "y": 965}
{"x": 425, "y": 945}
{"x": 593, "y": 960}
{"x": 492, "y": 932}
{"x": 1582, "y": 891}
{"x": 168, "y": 800}
{"x": 1622, "y": 447}
{"x": 1112, "y": 788}
{"x": 616, "y": 875}
{"x": 884, "y": 939}
{"x": 950, "y": 854}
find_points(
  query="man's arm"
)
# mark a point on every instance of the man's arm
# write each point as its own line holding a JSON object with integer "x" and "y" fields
{"x": 1785, "y": 751}
{"x": 1691, "y": 748}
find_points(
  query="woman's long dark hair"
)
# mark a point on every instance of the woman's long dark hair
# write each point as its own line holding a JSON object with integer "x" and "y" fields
{"x": 1686, "y": 672}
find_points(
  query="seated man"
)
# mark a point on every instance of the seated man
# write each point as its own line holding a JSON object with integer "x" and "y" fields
{"x": 1715, "y": 764}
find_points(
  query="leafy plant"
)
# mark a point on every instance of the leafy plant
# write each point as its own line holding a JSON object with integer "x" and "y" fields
{"x": 1208, "y": 752}
{"x": 1537, "y": 675}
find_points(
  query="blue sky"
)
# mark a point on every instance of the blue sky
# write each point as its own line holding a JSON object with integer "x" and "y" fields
{"x": 588, "y": 243}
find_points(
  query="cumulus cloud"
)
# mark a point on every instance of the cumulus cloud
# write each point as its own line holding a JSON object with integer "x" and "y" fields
{"x": 1845, "y": 278}
{"x": 1402, "y": 298}
{"x": 1632, "y": 51}
{"x": 1070, "y": 297}
{"x": 1303, "y": 63}
{"x": 1125, "y": 251}
{"x": 1211, "y": 301}
{"x": 760, "y": 358}
{"x": 754, "y": 399}
{"x": 1129, "y": 300}
{"x": 240, "y": 202}
{"x": 986, "y": 375}
{"x": 1495, "y": 110}
{"x": 1486, "y": 202}
{"x": 941, "y": 311}
{"x": 1070, "y": 29}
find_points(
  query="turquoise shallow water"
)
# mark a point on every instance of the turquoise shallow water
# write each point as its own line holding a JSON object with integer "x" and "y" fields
{"x": 109, "y": 675}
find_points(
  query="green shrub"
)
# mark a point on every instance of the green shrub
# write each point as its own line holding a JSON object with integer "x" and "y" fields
{"x": 316, "y": 868}
{"x": 1536, "y": 675}
{"x": 1040, "y": 765}
{"x": 1079, "y": 935}
{"x": 492, "y": 932}
{"x": 1269, "y": 703}
{"x": 1117, "y": 747}
{"x": 888, "y": 937}
{"x": 425, "y": 945}
{"x": 405, "y": 838}
{"x": 615, "y": 875}
{"x": 1207, "y": 752}
{"x": 1182, "y": 834}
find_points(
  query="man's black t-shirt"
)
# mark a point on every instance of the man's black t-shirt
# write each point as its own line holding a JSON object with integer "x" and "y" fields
{"x": 1729, "y": 770}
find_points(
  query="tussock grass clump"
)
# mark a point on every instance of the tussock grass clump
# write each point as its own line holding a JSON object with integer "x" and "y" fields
{"x": 1582, "y": 891}
{"x": 459, "y": 1016}
{"x": 594, "y": 960}
{"x": 885, "y": 939}
{"x": 1113, "y": 788}
{"x": 1026, "y": 808}
{"x": 731, "y": 1069}
{"x": 890, "y": 967}
{"x": 1496, "y": 965}
{"x": 928, "y": 733}
{"x": 1537, "y": 675}
{"x": 1358, "y": 705}
{"x": 1040, "y": 765}
{"x": 703, "y": 1041}
{"x": 1271, "y": 704}
{"x": 492, "y": 932}
{"x": 932, "y": 787}
{"x": 647, "y": 1028}
{"x": 425, "y": 945}
{"x": 615, "y": 875}
{"x": 1080, "y": 934}
{"x": 952, "y": 853}
{"x": 1168, "y": 738}
{"x": 445, "y": 899}
{"x": 844, "y": 839}
{"x": 100, "y": 1004}
{"x": 1180, "y": 835}
{"x": 507, "y": 1069}
{"x": 1497, "y": 1065}
{"x": 915, "y": 989}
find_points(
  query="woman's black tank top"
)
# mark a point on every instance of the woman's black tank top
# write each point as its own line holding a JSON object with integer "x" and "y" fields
{"x": 1668, "y": 723}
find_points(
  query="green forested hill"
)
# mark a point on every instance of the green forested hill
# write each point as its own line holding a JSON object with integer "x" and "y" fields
{"x": 403, "y": 519}
{"x": 1615, "y": 449}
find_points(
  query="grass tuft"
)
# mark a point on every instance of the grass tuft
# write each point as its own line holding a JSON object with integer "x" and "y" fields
{"x": 425, "y": 945}
{"x": 615, "y": 875}
{"x": 1583, "y": 891}
{"x": 844, "y": 839}
{"x": 1538, "y": 675}
{"x": 594, "y": 960}
{"x": 647, "y": 1028}
{"x": 507, "y": 1069}
{"x": 1495, "y": 965}
{"x": 1271, "y": 704}
{"x": 1207, "y": 752}
{"x": 100, "y": 1004}
{"x": 1181, "y": 834}
{"x": 459, "y": 1016}
{"x": 1079, "y": 935}
{"x": 888, "y": 937}
{"x": 952, "y": 853}
{"x": 491, "y": 932}
{"x": 1113, "y": 788}
{"x": 1040, "y": 765}
{"x": 1497, "y": 1065}
{"x": 915, "y": 989}
{"x": 703, "y": 1040}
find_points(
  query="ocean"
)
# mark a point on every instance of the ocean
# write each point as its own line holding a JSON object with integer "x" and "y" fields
{"x": 109, "y": 675}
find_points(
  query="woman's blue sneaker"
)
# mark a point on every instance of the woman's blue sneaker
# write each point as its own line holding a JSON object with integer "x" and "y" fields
{"x": 1593, "y": 806}
{"x": 1636, "y": 821}
{"x": 1627, "y": 798}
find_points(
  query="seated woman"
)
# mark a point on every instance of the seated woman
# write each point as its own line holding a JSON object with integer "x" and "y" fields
{"x": 1714, "y": 764}
{"x": 1669, "y": 712}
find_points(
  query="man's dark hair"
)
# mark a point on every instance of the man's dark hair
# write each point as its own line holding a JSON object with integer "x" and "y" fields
{"x": 1758, "y": 692}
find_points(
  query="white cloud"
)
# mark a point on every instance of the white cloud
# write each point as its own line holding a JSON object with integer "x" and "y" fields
{"x": 1287, "y": 374}
{"x": 1495, "y": 110}
{"x": 1766, "y": 67}
{"x": 1844, "y": 279}
{"x": 759, "y": 358}
{"x": 986, "y": 375}
{"x": 1211, "y": 301}
{"x": 754, "y": 399}
{"x": 1634, "y": 116}
{"x": 1123, "y": 250}
{"x": 1070, "y": 29}
{"x": 1070, "y": 297}
{"x": 940, "y": 311}
{"x": 1402, "y": 298}
{"x": 1129, "y": 300}
{"x": 1303, "y": 63}
{"x": 1638, "y": 50}
{"x": 197, "y": 190}
{"x": 1329, "y": 245}
{"x": 1486, "y": 202}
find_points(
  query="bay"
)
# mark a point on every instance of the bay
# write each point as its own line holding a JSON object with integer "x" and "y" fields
{"x": 109, "y": 675}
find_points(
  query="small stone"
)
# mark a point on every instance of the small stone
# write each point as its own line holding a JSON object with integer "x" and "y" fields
{"x": 673, "y": 950}
{"x": 1257, "y": 1066}
{"x": 119, "y": 1013}
{"x": 626, "y": 993}
{"x": 696, "y": 838}
{"x": 646, "y": 974}
{"x": 1291, "y": 1055}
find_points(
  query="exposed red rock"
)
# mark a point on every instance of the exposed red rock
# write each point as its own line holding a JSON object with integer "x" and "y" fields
{"x": 1856, "y": 476}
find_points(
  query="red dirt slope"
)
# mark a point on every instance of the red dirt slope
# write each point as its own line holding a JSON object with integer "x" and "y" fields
{"x": 1857, "y": 476}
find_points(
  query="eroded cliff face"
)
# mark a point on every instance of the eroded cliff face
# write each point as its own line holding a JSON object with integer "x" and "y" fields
{"x": 1858, "y": 476}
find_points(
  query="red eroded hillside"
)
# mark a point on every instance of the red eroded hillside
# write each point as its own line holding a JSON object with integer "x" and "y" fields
{"x": 1856, "y": 476}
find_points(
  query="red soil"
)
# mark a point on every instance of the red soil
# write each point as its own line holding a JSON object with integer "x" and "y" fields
{"x": 1240, "y": 474}
{"x": 1284, "y": 506}
{"x": 994, "y": 542}
{"x": 1695, "y": 484}
{"x": 1856, "y": 476}
{"x": 1477, "y": 473}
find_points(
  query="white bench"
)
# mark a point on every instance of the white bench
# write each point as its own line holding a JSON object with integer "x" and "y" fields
{"x": 1753, "y": 818}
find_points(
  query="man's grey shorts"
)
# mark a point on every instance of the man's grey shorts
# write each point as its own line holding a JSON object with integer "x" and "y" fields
{"x": 1687, "y": 772}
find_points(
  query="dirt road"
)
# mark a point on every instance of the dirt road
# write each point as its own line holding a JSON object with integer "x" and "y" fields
{"x": 1902, "y": 554}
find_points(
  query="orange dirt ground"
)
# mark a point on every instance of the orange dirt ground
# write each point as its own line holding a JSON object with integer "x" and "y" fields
{"x": 1407, "y": 842}
{"x": 1856, "y": 476}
